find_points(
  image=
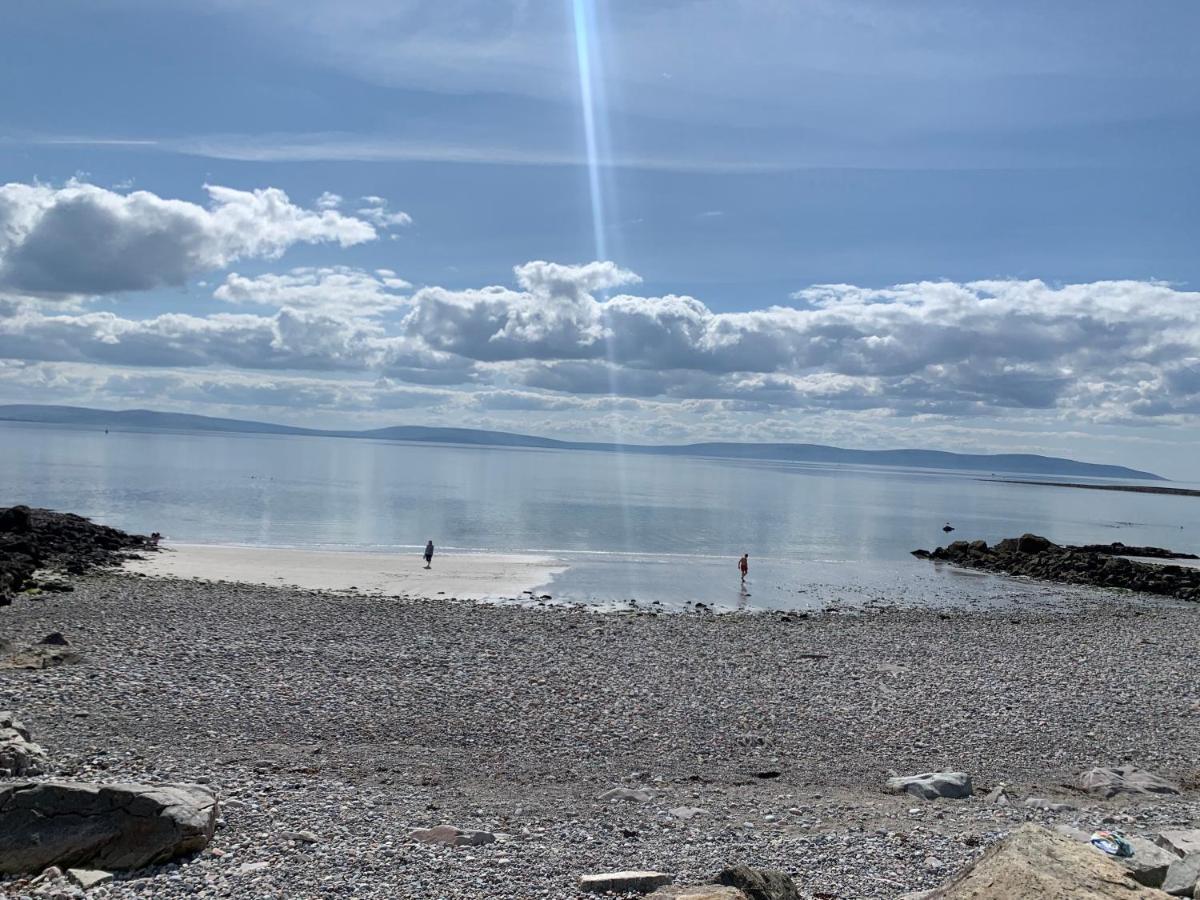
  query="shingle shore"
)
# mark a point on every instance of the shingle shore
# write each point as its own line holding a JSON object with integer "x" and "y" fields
{"x": 360, "y": 718}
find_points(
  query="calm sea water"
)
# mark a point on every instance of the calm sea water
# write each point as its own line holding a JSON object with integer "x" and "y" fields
{"x": 629, "y": 526}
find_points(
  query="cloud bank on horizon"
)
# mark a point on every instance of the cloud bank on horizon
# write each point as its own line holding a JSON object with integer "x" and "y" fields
{"x": 568, "y": 342}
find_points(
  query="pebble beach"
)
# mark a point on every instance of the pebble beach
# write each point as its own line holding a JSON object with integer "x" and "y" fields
{"x": 331, "y": 724}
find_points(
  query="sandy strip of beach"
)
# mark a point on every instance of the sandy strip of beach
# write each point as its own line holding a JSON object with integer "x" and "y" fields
{"x": 463, "y": 575}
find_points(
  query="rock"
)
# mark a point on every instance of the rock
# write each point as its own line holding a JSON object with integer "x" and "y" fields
{"x": 1000, "y": 796}
{"x": 1149, "y": 863}
{"x": 451, "y": 836}
{"x": 250, "y": 868}
{"x": 931, "y": 785}
{"x": 1104, "y": 782}
{"x": 637, "y": 796}
{"x": 624, "y": 882}
{"x": 301, "y": 837}
{"x": 112, "y": 826}
{"x": 1181, "y": 842}
{"x": 16, "y": 520}
{"x": 19, "y": 756}
{"x": 55, "y": 639}
{"x": 1183, "y": 877}
{"x": 1033, "y": 543}
{"x": 1034, "y": 863}
{"x": 759, "y": 884}
{"x": 1048, "y": 805}
{"x": 687, "y": 812}
{"x": 89, "y": 878}
{"x": 698, "y": 892}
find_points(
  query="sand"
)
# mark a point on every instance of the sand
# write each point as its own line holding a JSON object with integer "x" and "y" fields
{"x": 472, "y": 576}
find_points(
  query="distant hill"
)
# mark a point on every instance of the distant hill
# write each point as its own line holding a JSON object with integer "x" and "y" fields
{"x": 1012, "y": 463}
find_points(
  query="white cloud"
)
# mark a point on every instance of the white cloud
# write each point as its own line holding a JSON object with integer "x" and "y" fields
{"x": 81, "y": 239}
{"x": 1104, "y": 353}
{"x": 376, "y": 212}
{"x": 333, "y": 289}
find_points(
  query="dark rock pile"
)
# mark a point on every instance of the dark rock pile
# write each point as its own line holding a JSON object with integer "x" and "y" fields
{"x": 32, "y": 539}
{"x": 1096, "y": 564}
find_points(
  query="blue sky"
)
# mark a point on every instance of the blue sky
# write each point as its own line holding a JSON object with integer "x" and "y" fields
{"x": 982, "y": 174}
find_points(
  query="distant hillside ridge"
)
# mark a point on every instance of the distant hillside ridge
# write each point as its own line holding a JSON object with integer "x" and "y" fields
{"x": 1013, "y": 463}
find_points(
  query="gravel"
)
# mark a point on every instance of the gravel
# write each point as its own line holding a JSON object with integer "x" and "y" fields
{"x": 332, "y": 726}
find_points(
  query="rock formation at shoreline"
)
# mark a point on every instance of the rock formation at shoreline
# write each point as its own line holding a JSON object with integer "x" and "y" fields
{"x": 32, "y": 539}
{"x": 1103, "y": 565}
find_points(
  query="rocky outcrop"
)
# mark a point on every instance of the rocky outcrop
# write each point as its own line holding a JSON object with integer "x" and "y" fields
{"x": 1034, "y": 863}
{"x": 932, "y": 785}
{"x": 19, "y": 756}
{"x": 102, "y": 826}
{"x": 1108, "y": 782}
{"x": 1095, "y": 564}
{"x": 32, "y": 539}
{"x": 759, "y": 884}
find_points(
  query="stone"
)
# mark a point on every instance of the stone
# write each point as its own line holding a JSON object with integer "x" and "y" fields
{"x": 931, "y": 785}
{"x": 698, "y": 892}
{"x": 1048, "y": 805}
{"x": 1181, "y": 842}
{"x": 301, "y": 837}
{"x": 250, "y": 868}
{"x": 1035, "y": 863}
{"x": 55, "y": 639}
{"x": 759, "y": 884}
{"x": 637, "y": 796}
{"x": 1000, "y": 796}
{"x": 1105, "y": 782}
{"x": 451, "y": 836}
{"x": 687, "y": 812}
{"x": 89, "y": 878}
{"x": 624, "y": 882}
{"x": 1149, "y": 862}
{"x": 19, "y": 756}
{"x": 1033, "y": 543}
{"x": 1183, "y": 876}
{"x": 109, "y": 826}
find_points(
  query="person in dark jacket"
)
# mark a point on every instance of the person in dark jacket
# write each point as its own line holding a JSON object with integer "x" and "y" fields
{"x": 429, "y": 555}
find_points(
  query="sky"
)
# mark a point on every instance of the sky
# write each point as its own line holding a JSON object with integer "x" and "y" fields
{"x": 949, "y": 224}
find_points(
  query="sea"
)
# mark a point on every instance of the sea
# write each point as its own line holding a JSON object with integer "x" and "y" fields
{"x": 653, "y": 530}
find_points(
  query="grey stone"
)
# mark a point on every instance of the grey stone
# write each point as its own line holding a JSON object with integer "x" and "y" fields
{"x": 1181, "y": 841}
{"x": 1149, "y": 862}
{"x": 1049, "y": 805}
{"x": 624, "y": 882}
{"x": 302, "y": 837}
{"x": 1106, "y": 782}
{"x": 931, "y": 785}
{"x": 698, "y": 892}
{"x": 19, "y": 756}
{"x": 1034, "y": 863}
{"x": 89, "y": 878}
{"x": 1183, "y": 877}
{"x": 110, "y": 826}
{"x": 1000, "y": 796}
{"x": 638, "y": 796}
{"x": 687, "y": 812}
{"x": 451, "y": 836}
{"x": 759, "y": 884}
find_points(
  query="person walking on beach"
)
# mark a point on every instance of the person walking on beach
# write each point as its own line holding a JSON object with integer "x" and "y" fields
{"x": 429, "y": 555}
{"x": 744, "y": 566}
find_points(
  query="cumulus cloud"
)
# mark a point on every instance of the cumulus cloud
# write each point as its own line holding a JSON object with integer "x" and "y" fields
{"x": 377, "y": 213}
{"x": 561, "y": 338}
{"x": 335, "y": 289}
{"x": 81, "y": 239}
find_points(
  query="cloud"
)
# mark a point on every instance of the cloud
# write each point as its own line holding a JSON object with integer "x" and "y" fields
{"x": 377, "y": 213}
{"x": 81, "y": 239}
{"x": 1102, "y": 353}
{"x": 334, "y": 289}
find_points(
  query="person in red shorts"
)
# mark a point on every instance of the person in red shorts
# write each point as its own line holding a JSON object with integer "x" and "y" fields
{"x": 744, "y": 565}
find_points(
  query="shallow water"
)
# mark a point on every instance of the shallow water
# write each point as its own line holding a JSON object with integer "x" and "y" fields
{"x": 630, "y": 526}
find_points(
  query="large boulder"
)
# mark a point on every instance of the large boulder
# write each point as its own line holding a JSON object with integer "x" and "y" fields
{"x": 19, "y": 756}
{"x": 1034, "y": 863}
{"x": 1108, "y": 782}
{"x": 931, "y": 785}
{"x": 1183, "y": 877}
{"x": 101, "y": 826}
{"x": 759, "y": 884}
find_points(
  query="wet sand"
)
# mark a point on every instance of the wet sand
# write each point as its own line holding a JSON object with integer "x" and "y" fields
{"x": 472, "y": 576}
